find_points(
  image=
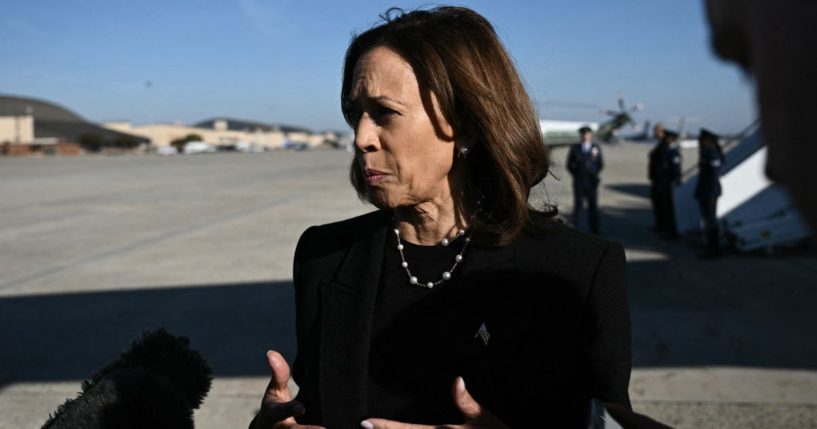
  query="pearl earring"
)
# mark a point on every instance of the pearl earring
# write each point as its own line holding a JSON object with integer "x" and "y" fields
{"x": 464, "y": 150}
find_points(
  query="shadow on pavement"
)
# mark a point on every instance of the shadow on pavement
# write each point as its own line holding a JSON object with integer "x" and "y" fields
{"x": 741, "y": 310}
{"x": 637, "y": 189}
{"x": 69, "y": 336}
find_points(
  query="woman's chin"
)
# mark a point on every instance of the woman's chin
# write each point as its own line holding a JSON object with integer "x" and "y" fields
{"x": 385, "y": 200}
{"x": 381, "y": 199}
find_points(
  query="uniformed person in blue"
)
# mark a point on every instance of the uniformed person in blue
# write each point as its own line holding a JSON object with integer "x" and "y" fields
{"x": 660, "y": 144}
{"x": 584, "y": 162}
{"x": 708, "y": 188}
{"x": 665, "y": 174}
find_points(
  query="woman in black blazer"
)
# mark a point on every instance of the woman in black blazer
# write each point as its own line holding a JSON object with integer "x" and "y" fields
{"x": 455, "y": 302}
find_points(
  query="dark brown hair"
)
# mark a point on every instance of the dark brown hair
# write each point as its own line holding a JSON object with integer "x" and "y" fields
{"x": 456, "y": 55}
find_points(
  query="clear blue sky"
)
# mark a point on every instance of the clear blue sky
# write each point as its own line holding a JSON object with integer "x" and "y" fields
{"x": 280, "y": 61}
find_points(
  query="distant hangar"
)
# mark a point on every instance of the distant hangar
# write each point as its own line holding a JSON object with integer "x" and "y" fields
{"x": 29, "y": 125}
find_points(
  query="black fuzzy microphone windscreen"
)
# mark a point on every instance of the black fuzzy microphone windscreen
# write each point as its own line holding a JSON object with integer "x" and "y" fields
{"x": 155, "y": 384}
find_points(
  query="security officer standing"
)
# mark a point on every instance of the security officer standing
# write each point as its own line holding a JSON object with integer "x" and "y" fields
{"x": 660, "y": 145}
{"x": 708, "y": 188}
{"x": 584, "y": 162}
{"x": 665, "y": 174}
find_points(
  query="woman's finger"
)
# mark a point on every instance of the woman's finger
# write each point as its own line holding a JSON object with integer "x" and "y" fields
{"x": 280, "y": 371}
{"x": 277, "y": 406}
{"x": 465, "y": 402}
{"x": 280, "y": 411}
{"x": 475, "y": 415}
{"x": 391, "y": 424}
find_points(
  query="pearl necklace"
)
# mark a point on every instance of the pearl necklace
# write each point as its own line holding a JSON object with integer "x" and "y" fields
{"x": 446, "y": 274}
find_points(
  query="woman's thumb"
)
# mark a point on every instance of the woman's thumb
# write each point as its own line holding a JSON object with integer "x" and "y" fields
{"x": 465, "y": 402}
{"x": 279, "y": 369}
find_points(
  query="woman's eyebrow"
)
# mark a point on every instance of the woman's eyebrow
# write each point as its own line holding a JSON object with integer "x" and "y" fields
{"x": 378, "y": 98}
{"x": 389, "y": 99}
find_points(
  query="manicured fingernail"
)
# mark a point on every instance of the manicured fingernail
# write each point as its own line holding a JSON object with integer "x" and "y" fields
{"x": 268, "y": 352}
{"x": 365, "y": 424}
{"x": 461, "y": 384}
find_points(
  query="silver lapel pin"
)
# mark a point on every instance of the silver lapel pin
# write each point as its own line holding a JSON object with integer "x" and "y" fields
{"x": 483, "y": 334}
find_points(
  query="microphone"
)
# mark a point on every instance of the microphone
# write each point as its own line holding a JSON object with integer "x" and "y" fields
{"x": 157, "y": 383}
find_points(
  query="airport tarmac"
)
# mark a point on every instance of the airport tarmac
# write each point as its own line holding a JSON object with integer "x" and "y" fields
{"x": 96, "y": 249}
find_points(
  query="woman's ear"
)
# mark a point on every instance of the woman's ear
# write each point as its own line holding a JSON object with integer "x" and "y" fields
{"x": 441, "y": 125}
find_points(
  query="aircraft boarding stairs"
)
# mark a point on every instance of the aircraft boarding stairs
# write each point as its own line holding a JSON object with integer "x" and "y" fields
{"x": 753, "y": 212}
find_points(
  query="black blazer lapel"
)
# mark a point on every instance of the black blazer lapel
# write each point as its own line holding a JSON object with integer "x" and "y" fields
{"x": 348, "y": 304}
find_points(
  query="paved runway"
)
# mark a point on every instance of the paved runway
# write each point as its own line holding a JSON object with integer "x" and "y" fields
{"x": 94, "y": 250}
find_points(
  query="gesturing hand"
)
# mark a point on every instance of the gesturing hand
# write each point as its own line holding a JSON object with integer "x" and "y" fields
{"x": 278, "y": 410}
{"x": 475, "y": 416}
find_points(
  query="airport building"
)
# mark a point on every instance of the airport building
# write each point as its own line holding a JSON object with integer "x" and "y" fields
{"x": 30, "y": 126}
{"x": 17, "y": 129}
{"x": 225, "y": 132}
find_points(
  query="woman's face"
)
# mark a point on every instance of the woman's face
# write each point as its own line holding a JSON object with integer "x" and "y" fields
{"x": 405, "y": 160}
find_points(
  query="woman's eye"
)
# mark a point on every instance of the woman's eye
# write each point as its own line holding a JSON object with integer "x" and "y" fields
{"x": 377, "y": 113}
{"x": 385, "y": 110}
{"x": 380, "y": 113}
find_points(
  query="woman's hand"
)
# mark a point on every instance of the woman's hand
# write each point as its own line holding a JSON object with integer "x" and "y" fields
{"x": 475, "y": 416}
{"x": 278, "y": 410}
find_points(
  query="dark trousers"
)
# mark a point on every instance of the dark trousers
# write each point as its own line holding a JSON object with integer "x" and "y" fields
{"x": 657, "y": 215}
{"x": 665, "y": 210}
{"x": 709, "y": 208}
{"x": 588, "y": 193}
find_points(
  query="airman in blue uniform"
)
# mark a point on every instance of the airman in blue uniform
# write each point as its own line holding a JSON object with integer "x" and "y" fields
{"x": 708, "y": 188}
{"x": 584, "y": 162}
{"x": 665, "y": 174}
{"x": 658, "y": 134}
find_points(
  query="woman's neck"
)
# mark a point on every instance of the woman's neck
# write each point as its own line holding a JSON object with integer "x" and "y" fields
{"x": 428, "y": 224}
{"x": 441, "y": 216}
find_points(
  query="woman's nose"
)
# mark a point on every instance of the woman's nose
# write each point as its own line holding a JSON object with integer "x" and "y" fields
{"x": 366, "y": 136}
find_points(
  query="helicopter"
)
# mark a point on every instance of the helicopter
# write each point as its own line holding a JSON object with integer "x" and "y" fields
{"x": 560, "y": 133}
{"x": 618, "y": 119}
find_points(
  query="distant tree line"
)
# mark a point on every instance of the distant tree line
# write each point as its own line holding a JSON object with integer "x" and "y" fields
{"x": 94, "y": 142}
{"x": 180, "y": 143}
